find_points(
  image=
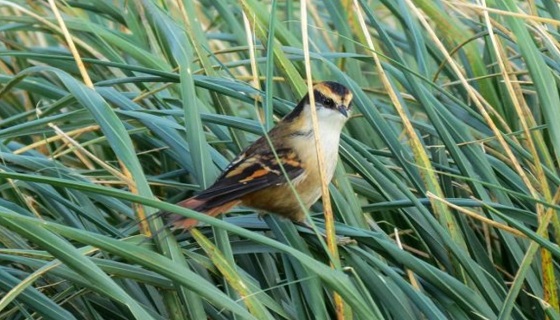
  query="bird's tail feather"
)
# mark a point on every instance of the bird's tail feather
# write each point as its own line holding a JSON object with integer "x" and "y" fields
{"x": 184, "y": 223}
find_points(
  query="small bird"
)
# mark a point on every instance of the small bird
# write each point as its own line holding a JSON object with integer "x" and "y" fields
{"x": 255, "y": 179}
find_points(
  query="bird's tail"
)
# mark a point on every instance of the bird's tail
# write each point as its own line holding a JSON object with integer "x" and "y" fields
{"x": 184, "y": 223}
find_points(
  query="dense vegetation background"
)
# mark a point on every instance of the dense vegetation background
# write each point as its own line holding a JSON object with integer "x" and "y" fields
{"x": 448, "y": 180}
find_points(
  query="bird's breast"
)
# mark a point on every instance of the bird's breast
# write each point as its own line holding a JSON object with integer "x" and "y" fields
{"x": 304, "y": 146}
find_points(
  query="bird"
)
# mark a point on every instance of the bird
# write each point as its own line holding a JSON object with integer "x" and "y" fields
{"x": 255, "y": 178}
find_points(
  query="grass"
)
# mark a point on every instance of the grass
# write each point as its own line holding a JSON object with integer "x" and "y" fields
{"x": 447, "y": 182}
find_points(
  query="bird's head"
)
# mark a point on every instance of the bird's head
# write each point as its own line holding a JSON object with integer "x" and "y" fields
{"x": 332, "y": 98}
{"x": 332, "y": 102}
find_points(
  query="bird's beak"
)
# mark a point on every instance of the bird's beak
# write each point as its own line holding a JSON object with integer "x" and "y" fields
{"x": 342, "y": 109}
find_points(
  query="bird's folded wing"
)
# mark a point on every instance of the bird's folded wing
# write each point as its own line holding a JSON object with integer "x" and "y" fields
{"x": 250, "y": 173}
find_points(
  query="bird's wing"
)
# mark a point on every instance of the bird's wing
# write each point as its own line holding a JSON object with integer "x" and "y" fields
{"x": 251, "y": 172}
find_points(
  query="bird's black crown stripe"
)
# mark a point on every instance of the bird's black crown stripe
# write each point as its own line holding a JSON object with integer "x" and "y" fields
{"x": 337, "y": 88}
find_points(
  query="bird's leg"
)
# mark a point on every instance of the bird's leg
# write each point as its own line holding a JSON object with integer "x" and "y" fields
{"x": 339, "y": 239}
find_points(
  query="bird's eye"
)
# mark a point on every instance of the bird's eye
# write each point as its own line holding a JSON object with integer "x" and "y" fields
{"x": 329, "y": 103}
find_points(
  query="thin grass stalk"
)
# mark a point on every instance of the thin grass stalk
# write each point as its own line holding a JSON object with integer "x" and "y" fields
{"x": 341, "y": 311}
{"x": 269, "y": 69}
{"x": 71, "y": 45}
{"x": 479, "y": 217}
{"x": 522, "y": 16}
{"x": 254, "y": 70}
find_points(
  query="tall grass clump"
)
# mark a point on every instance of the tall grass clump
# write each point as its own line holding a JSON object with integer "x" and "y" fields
{"x": 448, "y": 184}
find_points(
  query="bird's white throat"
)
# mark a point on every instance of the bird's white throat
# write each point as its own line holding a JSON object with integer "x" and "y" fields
{"x": 330, "y": 124}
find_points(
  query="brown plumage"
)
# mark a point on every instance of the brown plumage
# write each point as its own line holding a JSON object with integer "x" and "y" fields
{"x": 255, "y": 179}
